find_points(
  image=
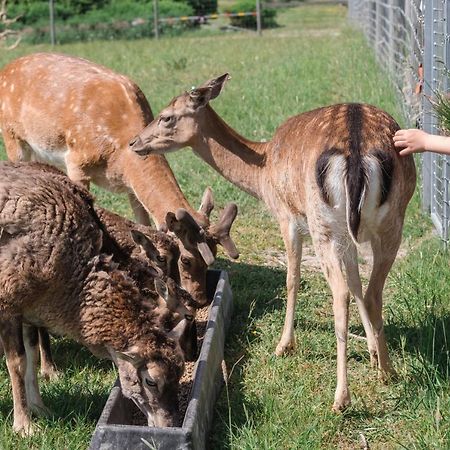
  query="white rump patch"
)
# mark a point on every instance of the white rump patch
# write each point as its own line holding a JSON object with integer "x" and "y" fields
{"x": 334, "y": 182}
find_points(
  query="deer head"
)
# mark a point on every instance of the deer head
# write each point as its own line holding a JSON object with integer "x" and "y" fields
{"x": 200, "y": 245}
{"x": 177, "y": 125}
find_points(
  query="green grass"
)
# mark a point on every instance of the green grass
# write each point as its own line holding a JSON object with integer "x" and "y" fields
{"x": 313, "y": 59}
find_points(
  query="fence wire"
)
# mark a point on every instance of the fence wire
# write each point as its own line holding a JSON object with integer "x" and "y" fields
{"x": 411, "y": 39}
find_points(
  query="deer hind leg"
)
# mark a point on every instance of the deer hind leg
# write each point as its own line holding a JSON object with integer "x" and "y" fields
{"x": 331, "y": 261}
{"x": 140, "y": 213}
{"x": 48, "y": 366}
{"x": 384, "y": 253}
{"x": 293, "y": 243}
{"x": 12, "y": 338}
{"x": 354, "y": 284}
{"x": 34, "y": 400}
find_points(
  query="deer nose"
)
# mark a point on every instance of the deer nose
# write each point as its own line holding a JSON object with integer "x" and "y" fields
{"x": 136, "y": 141}
{"x": 137, "y": 146}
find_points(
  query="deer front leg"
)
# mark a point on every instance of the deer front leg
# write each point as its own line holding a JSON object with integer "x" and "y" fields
{"x": 34, "y": 400}
{"x": 48, "y": 366}
{"x": 293, "y": 244}
{"x": 75, "y": 170}
{"x": 140, "y": 213}
{"x": 12, "y": 339}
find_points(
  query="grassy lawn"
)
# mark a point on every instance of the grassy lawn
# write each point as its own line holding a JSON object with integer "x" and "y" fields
{"x": 312, "y": 59}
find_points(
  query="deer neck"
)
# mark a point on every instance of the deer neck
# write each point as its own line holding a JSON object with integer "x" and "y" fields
{"x": 153, "y": 183}
{"x": 237, "y": 159}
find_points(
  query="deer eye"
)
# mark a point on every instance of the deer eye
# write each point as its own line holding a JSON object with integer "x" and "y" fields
{"x": 185, "y": 261}
{"x": 161, "y": 259}
{"x": 189, "y": 317}
{"x": 150, "y": 383}
{"x": 166, "y": 119}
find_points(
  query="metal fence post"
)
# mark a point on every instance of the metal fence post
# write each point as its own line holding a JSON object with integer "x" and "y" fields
{"x": 258, "y": 17}
{"x": 51, "y": 7}
{"x": 427, "y": 122}
{"x": 446, "y": 171}
{"x": 156, "y": 19}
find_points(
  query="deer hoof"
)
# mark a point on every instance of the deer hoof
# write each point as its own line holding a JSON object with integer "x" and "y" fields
{"x": 41, "y": 410}
{"x": 50, "y": 373}
{"x": 285, "y": 348}
{"x": 387, "y": 375}
{"x": 341, "y": 405}
{"x": 25, "y": 429}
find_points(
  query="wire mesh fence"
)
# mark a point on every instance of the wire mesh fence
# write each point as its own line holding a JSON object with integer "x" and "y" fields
{"x": 411, "y": 39}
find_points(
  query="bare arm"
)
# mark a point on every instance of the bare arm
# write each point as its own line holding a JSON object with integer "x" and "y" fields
{"x": 417, "y": 141}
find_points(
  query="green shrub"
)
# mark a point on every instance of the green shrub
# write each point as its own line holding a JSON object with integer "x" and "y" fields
{"x": 203, "y": 7}
{"x": 267, "y": 15}
{"x": 37, "y": 12}
{"x": 114, "y": 22}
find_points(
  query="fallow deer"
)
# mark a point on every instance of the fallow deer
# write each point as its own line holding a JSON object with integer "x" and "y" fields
{"x": 79, "y": 116}
{"x": 333, "y": 171}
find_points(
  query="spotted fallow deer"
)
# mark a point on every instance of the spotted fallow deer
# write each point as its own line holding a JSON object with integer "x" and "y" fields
{"x": 332, "y": 171}
{"x": 79, "y": 116}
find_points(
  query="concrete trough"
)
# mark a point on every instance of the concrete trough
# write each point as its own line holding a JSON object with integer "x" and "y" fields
{"x": 114, "y": 430}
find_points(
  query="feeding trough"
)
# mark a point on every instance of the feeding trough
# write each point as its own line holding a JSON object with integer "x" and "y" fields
{"x": 116, "y": 430}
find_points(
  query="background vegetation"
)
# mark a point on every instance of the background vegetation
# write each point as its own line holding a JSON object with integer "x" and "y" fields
{"x": 125, "y": 19}
{"x": 312, "y": 59}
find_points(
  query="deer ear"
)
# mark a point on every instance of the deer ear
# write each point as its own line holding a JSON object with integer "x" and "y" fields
{"x": 216, "y": 85}
{"x": 145, "y": 243}
{"x": 130, "y": 356}
{"x": 200, "y": 97}
{"x": 207, "y": 204}
{"x": 178, "y": 331}
{"x": 221, "y": 230}
{"x": 206, "y": 253}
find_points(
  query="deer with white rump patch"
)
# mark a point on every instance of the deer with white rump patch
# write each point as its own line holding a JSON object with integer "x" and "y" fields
{"x": 79, "y": 116}
{"x": 333, "y": 171}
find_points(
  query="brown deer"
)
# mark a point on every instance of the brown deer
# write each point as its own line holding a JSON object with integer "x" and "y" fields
{"x": 79, "y": 116}
{"x": 333, "y": 171}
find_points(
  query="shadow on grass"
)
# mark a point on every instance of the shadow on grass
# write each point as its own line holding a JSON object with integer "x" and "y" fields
{"x": 428, "y": 342}
{"x": 257, "y": 291}
{"x": 65, "y": 405}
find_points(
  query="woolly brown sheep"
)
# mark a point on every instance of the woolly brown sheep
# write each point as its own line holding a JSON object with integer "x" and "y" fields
{"x": 54, "y": 276}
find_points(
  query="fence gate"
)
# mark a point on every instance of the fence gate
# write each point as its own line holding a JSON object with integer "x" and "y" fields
{"x": 411, "y": 39}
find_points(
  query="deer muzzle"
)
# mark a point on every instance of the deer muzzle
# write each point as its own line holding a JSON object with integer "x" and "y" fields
{"x": 137, "y": 146}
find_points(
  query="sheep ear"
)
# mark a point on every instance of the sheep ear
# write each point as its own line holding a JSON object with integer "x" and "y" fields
{"x": 167, "y": 292}
{"x": 131, "y": 357}
{"x": 161, "y": 289}
{"x": 178, "y": 331}
{"x": 145, "y": 243}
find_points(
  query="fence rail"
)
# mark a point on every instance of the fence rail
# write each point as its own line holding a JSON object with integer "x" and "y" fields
{"x": 412, "y": 39}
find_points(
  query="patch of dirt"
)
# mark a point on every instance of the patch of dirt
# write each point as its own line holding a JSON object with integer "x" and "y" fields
{"x": 276, "y": 258}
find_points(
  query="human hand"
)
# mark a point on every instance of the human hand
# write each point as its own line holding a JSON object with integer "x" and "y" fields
{"x": 410, "y": 141}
